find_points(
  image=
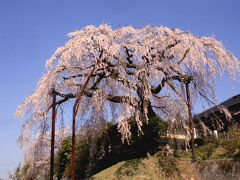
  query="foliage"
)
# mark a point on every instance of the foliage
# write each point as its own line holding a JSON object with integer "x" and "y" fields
{"x": 63, "y": 158}
{"x": 233, "y": 131}
{"x": 21, "y": 173}
{"x": 206, "y": 151}
{"x": 16, "y": 173}
{"x": 232, "y": 147}
{"x": 231, "y": 141}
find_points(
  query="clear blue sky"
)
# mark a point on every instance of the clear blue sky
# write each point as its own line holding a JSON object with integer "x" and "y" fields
{"x": 31, "y": 30}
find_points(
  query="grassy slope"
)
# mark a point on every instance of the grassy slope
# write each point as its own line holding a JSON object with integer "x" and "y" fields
{"x": 145, "y": 168}
{"x": 162, "y": 167}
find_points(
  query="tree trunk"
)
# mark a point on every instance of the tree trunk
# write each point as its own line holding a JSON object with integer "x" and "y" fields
{"x": 151, "y": 113}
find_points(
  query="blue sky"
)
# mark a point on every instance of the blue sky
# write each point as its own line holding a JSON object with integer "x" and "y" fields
{"x": 31, "y": 30}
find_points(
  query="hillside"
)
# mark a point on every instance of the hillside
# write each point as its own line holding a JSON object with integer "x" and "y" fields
{"x": 142, "y": 168}
{"x": 171, "y": 169}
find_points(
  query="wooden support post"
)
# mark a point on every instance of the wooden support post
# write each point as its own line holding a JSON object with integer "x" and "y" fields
{"x": 53, "y": 135}
{"x": 75, "y": 110}
{"x": 190, "y": 121}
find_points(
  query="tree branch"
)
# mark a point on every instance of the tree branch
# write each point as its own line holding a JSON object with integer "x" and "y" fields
{"x": 109, "y": 97}
{"x": 178, "y": 93}
{"x": 157, "y": 89}
{"x": 129, "y": 56}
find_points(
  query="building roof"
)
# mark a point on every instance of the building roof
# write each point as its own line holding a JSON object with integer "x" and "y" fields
{"x": 228, "y": 103}
{"x": 215, "y": 119}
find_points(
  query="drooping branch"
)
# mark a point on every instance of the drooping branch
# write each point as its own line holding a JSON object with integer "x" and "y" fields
{"x": 162, "y": 53}
{"x": 177, "y": 92}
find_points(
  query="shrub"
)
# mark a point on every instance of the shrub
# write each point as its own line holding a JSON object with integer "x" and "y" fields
{"x": 208, "y": 147}
{"x": 232, "y": 143}
{"x": 228, "y": 145}
{"x": 168, "y": 165}
{"x": 206, "y": 151}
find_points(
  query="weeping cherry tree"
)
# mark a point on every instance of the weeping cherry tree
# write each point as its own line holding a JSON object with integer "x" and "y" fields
{"x": 139, "y": 72}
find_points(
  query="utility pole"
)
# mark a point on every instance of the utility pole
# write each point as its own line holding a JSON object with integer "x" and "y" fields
{"x": 190, "y": 119}
{"x": 53, "y": 134}
{"x": 75, "y": 110}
